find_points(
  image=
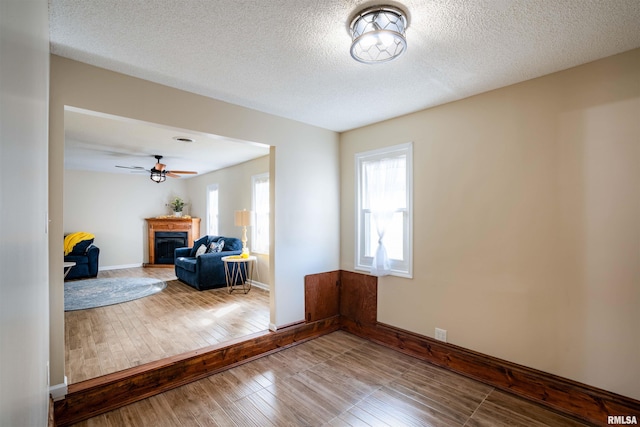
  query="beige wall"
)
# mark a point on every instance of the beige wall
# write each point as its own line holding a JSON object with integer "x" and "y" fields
{"x": 303, "y": 158}
{"x": 113, "y": 207}
{"x": 24, "y": 290}
{"x": 234, "y": 193}
{"x": 526, "y": 222}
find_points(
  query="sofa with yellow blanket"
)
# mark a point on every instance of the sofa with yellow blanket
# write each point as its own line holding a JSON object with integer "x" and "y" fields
{"x": 79, "y": 248}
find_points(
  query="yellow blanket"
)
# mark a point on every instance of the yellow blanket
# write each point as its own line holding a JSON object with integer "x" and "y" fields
{"x": 72, "y": 239}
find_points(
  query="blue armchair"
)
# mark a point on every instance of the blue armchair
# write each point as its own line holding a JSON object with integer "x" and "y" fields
{"x": 85, "y": 254}
{"x": 205, "y": 271}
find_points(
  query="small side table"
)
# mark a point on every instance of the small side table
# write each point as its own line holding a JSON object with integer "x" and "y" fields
{"x": 67, "y": 267}
{"x": 238, "y": 272}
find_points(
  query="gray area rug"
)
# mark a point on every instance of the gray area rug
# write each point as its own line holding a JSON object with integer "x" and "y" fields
{"x": 83, "y": 294}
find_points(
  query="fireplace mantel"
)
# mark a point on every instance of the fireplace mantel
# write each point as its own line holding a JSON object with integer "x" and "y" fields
{"x": 170, "y": 224}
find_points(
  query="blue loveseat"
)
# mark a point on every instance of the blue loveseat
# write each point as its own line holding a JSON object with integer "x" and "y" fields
{"x": 207, "y": 270}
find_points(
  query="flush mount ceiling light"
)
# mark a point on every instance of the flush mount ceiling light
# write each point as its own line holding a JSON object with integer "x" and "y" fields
{"x": 378, "y": 34}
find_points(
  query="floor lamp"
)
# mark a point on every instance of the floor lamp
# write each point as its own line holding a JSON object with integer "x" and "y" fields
{"x": 243, "y": 219}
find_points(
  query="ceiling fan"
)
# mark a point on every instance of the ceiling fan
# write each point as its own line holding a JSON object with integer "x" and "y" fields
{"x": 159, "y": 173}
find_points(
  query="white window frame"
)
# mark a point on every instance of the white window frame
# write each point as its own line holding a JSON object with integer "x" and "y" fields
{"x": 213, "y": 229}
{"x": 400, "y": 268}
{"x": 254, "y": 230}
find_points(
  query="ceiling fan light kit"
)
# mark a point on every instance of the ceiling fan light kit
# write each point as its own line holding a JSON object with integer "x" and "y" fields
{"x": 157, "y": 176}
{"x": 378, "y": 34}
{"x": 159, "y": 173}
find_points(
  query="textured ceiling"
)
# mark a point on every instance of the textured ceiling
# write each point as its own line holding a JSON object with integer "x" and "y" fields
{"x": 99, "y": 142}
{"x": 291, "y": 57}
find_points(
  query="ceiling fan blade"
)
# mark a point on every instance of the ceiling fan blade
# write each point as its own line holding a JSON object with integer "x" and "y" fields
{"x": 131, "y": 167}
{"x": 158, "y": 168}
{"x": 183, "y": 172}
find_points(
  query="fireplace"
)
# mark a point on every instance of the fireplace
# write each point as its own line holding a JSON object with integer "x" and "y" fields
{"x": 166, "y": 234}
{"x": 165, "y": 244}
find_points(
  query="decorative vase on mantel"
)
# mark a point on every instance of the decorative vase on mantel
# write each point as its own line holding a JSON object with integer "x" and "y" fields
{"x": 177, "y": 214}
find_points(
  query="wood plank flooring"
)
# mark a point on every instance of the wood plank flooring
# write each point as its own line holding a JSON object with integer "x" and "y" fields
{"x": 107, "y": 339}
{"x": 335, "y": 380}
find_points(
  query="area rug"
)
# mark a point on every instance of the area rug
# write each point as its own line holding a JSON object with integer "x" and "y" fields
{"x": 91, "y": 293}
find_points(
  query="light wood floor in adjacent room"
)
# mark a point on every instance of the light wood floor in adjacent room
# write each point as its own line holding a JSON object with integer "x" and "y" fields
{"x": 107, "y": 339}
{"x": 334, "y": 380}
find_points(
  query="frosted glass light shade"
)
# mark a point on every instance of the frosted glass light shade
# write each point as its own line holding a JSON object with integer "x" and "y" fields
{"x": 378, "y": 34}
{"x": 157, "y": 176}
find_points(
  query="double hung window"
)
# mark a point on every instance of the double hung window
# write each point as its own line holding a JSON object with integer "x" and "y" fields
{"x": 260, "y": 205}
{"x": 212, "y": 209}
{"x": 384, "y": 211}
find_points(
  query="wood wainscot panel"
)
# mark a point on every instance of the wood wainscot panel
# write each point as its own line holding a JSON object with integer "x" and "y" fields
{"x": 359, "y": 297}
{"x": 353, "y": 296}
{"x": 96, "y": 396}
{"x": 51, "y": 421}
{"x": 322, "y": 296}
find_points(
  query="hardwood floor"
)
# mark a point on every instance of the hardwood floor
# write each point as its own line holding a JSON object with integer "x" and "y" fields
{"x": 335, "y": 380}
{"x": 107, "y": 339}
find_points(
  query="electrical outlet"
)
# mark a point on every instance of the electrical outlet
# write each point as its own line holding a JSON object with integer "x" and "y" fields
{"x": 441, "y": 334}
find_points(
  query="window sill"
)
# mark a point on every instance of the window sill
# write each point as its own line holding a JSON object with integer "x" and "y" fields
{"x": 396, "y": 273}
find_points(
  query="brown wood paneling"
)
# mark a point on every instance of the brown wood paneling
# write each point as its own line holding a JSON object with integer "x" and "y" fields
{"x": 51, "y": 422}
{"x": 569, "y": 397}
{"x": 321, "y": 296}
{"x": 99, "y": 395}
{"x": 359, "y": 297}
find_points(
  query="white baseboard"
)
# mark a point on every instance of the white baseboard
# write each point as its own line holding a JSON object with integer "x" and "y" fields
{"x": 119, "y": 267}
{"x": 260, "y": 285}
{"x": 58, "y": 391}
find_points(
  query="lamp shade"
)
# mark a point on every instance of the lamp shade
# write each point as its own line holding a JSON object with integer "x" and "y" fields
{"x": 378, "y": 34}
{"x": 243, "y": 218}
